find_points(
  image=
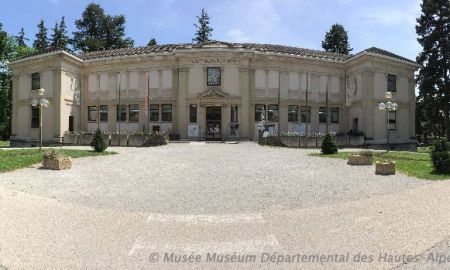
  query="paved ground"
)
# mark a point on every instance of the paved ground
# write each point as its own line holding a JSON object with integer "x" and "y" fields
{"x": 269, "y": 204}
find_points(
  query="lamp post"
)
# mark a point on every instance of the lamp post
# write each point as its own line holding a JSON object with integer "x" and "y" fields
{"x": 40, "y": 103}
{"x": 388, "y": 106}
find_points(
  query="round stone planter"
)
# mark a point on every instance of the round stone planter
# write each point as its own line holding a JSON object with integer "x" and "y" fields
{"x": 356, "y": 159}
{"x": 62, "y": 163}
{"x": 385, "y": 168}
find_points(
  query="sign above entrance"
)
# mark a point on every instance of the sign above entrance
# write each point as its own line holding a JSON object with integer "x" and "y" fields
{"x": 215, "y": 60}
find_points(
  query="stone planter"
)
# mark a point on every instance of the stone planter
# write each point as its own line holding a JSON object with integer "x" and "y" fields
{"x": 70, "y": 138}
{"x": 119, "y": 140}
{"x": 86, "y": 139}
{"x": 290, "y": 141}
{"x": 356, "y": 159}
{"x": 106, "y": 138}
{"x": 385, "y": 168}
{"x": 136, "y": 140}
{"x": 356, "y": 140}
{"x": 341, "y": 140}
{"x": 61, "y": 163}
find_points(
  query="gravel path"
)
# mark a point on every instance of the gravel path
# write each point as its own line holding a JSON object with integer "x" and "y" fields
{"x": 201, "y": 178}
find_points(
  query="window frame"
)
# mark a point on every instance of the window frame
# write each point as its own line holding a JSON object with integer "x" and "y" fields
{"x": 293, "y": 118}
{"x": 93, "y": 111}
{"x": 273, "y": 114}
{"x": 120, "y": 108}
{"x": 392, "y": 82}
{"x": 307, "y": 110}
{"x": 35, "y": 80}
{"x": 207, "y": 76}
{"x": 334, "y": 110}
{"x": 35, "y": 117}
{"x": 323, "y": 111}
{"x": 193, "y": 109}
{"x": 163, "y": 119}
{"x": 103, "y": 113}
{"x": 152, "y": 110}
{"x": 130, "y": 113}
{"x": 258, "y": 112}
{"x": 392, "y": 122}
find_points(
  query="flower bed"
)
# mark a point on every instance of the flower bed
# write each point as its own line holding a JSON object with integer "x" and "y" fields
{"x": 385, "y": 168}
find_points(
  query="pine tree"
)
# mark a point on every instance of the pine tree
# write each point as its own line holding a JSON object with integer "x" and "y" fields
{"x": 21, "y": 38}
{"x": 433, "y": 79}
{"x": 336, "y": 40}
{"x": 203, "y": 32}
{"x": 41, "y": 42}
{"x": 98, "y": 31}
{"x": 152, "y": 42}
{"x": 59, "y": 39}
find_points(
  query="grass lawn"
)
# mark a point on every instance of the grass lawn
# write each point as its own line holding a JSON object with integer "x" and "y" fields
{"x": 417, "y": 164}
{"x": 4, "y": 143}
{"x": 21, "y": 158}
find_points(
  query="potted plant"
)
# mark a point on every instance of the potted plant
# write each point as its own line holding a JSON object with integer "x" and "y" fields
{"x": 70, "y": 138}
{"x": 119, "y": 139}
{"x": 290, "y": 139}
{"x": 86, "y": 137}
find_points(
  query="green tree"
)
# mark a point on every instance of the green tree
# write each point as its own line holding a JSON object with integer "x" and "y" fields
{"x": 203, "y": 30}
{"x": 99, "y": 31}
{"x": 21, "y": 38}
{"x": 433, "y": 79}
{"x": 152, "y": 42}
{"x": 328, "y": 145}
{"x": 336, "y": 40}
{"x": 98, "y": 141}
{"x": 59, "y": 38}
{"x": 41, "y": 42}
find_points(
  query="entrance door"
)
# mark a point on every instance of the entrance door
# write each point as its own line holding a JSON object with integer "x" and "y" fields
{"x": 213, "y": 123}
{"x": 71, "y": 124}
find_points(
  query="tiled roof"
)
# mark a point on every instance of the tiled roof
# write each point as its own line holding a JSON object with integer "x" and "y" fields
{"x": 215, "y": 44}
{"x": 379, "y": 51}
{"x": 261, "y": 48}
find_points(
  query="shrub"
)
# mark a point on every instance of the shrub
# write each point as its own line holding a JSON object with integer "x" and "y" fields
{"x": 157, "y": 139}
{"x": 98, "y": 142}
{"x": 440, "y": 156}
{"x": 328, "y": 145}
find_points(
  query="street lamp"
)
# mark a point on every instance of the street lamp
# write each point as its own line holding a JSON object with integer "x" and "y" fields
{"x": 40, "y": 103}
{"x": 388, "y": 107}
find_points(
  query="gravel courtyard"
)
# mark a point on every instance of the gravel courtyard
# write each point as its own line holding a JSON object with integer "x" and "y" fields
{"x": 205, "y": 178}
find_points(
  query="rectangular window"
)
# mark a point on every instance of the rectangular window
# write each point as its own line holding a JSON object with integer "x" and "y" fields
{"x": 35, "y": 81}
{"x": 34, "y": 117}
{"x": 121, "y": 113}
{"x": 154, "y": 112}
{"x": 213, "y": 76}
{"x": 293, "y": 113}
{"x": 166, "y": 114}
{"x": 392, "y": 120}
{"x": 260, "y": 109}
{"x": 193, "y": 113}
{"x": 234, "y": 114}
{"x": 322, "y": 115}
{"x": 133, "y": 113}
{"x": 392, "y": 83}
{"x": 334, "y": 115}
{"x": 92, "y": 113}
{"x": 103, "y": 113}
{"x": 305, "y": 114}
{"x": 272, "y": 113}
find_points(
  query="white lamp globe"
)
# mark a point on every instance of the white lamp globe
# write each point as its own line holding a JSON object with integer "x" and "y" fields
{"x": 395, "y": 106}
{"x": 34, "y": 102}
{"x": 388, "y": 95}
{"x": 382, "y": 106}
{"x": 388, "y": 105}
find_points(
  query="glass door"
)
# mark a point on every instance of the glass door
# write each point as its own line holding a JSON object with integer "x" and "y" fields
{"x": 214, "y": 123}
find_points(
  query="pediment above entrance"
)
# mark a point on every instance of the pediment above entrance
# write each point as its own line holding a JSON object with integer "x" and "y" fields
{"x": 213, "y": 96}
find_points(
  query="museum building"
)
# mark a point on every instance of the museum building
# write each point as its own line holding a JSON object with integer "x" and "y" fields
{"x": 214, "y": 91}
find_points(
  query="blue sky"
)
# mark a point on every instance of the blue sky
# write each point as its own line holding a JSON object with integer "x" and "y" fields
{"x": 383, "y": 23}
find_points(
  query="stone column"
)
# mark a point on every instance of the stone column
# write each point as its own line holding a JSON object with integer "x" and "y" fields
{"x": 183, "y": 77}
{"x": 245, "y": 86}
{"x": 367, "y": 112}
